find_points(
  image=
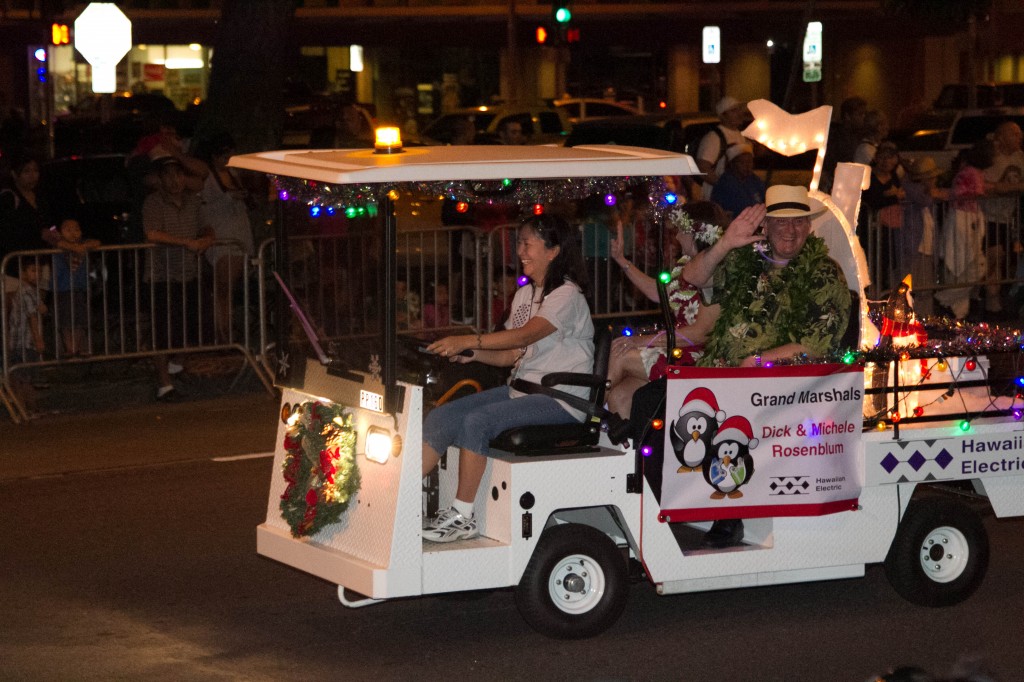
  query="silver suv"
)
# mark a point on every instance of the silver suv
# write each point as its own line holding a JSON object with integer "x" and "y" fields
{"x": 933, "y": 138}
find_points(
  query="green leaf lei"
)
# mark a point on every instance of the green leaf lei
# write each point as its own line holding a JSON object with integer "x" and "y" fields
{"x": 763, "y": 307}
{"x": 319, "y": 467}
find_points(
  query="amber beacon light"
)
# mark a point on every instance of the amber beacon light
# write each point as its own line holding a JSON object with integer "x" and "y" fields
{"x": 388, "y": 141}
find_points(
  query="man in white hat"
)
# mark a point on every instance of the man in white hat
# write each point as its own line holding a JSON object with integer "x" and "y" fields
{"x": 782, "y": 296}
{"x": 711, "y": 151}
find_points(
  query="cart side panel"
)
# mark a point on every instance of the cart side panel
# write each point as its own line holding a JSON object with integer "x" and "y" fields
{"x": 381, "y": 527}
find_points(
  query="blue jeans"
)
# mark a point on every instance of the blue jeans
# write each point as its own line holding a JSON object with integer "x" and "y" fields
{"x": 473, "y": 421}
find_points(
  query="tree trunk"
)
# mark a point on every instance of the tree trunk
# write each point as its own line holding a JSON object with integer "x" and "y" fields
{"x": 251, "y": 57}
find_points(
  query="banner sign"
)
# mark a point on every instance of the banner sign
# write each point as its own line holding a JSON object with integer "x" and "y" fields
{"x": 749, "y": 443}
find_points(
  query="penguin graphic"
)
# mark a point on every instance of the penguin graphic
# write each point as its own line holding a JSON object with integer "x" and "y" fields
{"x": 729, "y": 465}
{"x": 692, "y": 433}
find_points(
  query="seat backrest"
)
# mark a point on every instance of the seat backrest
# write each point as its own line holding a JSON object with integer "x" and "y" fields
{"x": 851, "y": 337}
{"x": 545, "y": 439}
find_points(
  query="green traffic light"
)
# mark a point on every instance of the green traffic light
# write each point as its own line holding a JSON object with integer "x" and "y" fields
{"x": 563, "y": 15}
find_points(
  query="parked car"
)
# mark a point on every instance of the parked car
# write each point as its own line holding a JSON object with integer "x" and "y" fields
{"x": 590, "y": 108}
{"x": 954, "y": 95}
{"x": 105, "y": 124}
{"x": 541, "y": 125}
{"x": 943, "y": 144}
{"x": 95, "y": 190}
{"x": 306, "y": 111}
{"x": 683, "y": 133}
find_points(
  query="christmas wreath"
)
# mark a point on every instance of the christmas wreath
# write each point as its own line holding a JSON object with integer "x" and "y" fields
{"x": 319, "y": 467}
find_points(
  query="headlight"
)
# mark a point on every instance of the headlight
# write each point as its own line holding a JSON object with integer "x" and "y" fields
{"x": 378, "y": 444}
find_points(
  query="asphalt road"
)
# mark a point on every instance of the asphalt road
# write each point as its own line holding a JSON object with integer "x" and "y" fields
{"x": 128, "y": 552}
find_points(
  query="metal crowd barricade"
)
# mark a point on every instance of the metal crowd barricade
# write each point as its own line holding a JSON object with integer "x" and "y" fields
{"x": 333, "y": 278}
{"x": 887, "y": 266}
{"x": 113, "y": 315}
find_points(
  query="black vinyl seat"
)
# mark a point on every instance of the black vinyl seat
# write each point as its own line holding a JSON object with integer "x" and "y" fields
{"x": 562, "y": 439}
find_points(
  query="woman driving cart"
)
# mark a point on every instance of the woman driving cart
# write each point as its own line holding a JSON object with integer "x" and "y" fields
{"x": 549, "y": 330}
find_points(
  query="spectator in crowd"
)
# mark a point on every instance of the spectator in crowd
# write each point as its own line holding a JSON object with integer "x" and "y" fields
{"x": 843, "y": 137}
{"x": 739, "y": 186}
{"x": 635, "y": 360}
{"x": 25, "y": 330}
{"x": 71, "y": 284}
{"x": 711, "y": 151}
{"x": 24, "y": 219}
{"x": 143, "y": 166}
{"x": 350, "y": 129}
{"x": 1006, "y": 175}
{"x": 171, "y": 219}
{"x": 436, "y": 311}
{"x": 505, "y": 286}
{"x": 226, "y": 210}
{"x": 915, "y": 241}
{"x": 881, "y": 201}
{"x": 464, "y": 132}
{"x": 963, "y": 234}
{"x": 876, "y": 129}
{"x": 511, "y": 132}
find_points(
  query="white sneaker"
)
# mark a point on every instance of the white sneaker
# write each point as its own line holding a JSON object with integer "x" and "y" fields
{"x": 174, "y": 368}
{"x": 449, "y": 526}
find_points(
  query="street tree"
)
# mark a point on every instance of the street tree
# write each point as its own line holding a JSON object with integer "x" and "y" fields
{"x": 251, "y": 57}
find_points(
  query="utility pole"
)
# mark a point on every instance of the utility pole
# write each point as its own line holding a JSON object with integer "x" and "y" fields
{"x": 512, "y": 68}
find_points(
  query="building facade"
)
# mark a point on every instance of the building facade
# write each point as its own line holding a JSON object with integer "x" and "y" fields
{"x": 421, "y": 57}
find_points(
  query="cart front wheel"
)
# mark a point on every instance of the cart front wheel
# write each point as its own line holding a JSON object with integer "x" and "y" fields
{"x": 575, "y": 585}
{"x": 939, "y": 555}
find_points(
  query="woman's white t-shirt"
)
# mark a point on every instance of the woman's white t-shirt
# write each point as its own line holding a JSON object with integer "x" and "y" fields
{"x": 570, "y": 348}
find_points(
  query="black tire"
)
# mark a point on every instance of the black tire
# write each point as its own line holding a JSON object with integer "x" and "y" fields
{"x": 596, "y": 595}
{"x": 939, "y": 555}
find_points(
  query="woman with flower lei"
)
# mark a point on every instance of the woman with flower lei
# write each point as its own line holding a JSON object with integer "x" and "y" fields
{"x": 636, "y": 360}
{"x": 781, "y": 295}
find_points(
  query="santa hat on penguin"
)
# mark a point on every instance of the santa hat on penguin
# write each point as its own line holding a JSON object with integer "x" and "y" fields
{"x": 702, "y": 400}
{"x": 738, "y": 430}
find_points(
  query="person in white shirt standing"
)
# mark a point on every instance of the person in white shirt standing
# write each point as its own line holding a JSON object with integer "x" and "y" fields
{"x": 711, "y": 152}
{"x": 1002, "y": 210}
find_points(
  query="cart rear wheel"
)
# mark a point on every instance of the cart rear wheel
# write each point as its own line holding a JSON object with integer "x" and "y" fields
{"x": 939, "y": 555}
{"x": 575, "y": 585}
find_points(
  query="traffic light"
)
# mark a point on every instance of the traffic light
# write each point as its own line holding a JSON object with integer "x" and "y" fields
{"x": 541, "y": 35}
{"x": 561, "y": 12}
{"x": 59, "y": 34}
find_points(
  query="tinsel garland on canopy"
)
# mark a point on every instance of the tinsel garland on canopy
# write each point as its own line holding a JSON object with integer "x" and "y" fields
{"x": 521, "y": 193}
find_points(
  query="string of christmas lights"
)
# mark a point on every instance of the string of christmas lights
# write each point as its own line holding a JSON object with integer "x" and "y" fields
{"x": 354, "y": 201}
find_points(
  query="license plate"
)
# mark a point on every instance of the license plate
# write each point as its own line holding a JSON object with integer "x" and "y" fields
{"x": 371, "y": 401}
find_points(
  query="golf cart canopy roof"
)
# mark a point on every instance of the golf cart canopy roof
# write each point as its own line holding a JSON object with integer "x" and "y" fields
{"x": 427, "y": 164}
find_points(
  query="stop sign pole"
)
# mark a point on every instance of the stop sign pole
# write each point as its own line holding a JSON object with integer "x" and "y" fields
{"x": 103, "y": 35}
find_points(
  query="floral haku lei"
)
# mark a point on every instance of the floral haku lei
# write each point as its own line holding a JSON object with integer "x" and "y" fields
{"x": 705, "y": 233}
{"x": 319, "y": 467}
{"x": 805, "y": 302}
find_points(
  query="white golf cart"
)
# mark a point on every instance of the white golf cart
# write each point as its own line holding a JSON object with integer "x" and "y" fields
{"x": 563, "y": 522}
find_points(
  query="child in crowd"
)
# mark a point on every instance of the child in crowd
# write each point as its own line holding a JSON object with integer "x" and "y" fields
{"x": 437, "y": 313}
{"x": 25, "y": 341}
{"x": 71, "y": 277}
